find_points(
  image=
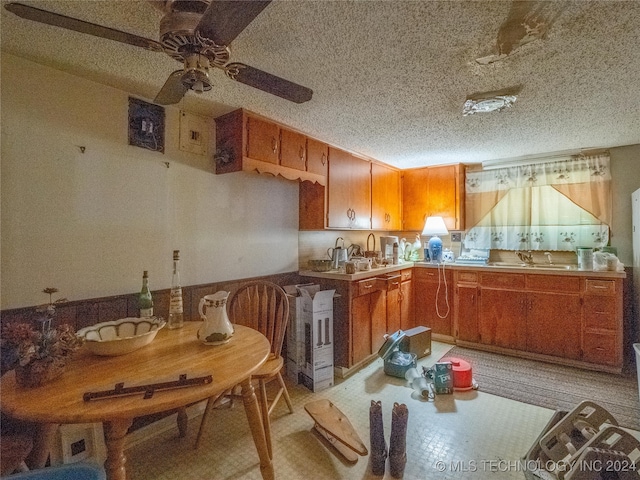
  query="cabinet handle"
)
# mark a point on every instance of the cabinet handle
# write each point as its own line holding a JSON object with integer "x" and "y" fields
{"x": 323, "y": 159}
{"x": 599, "y": 286}
{"x": 368, "y": 286}
{"x": 530, "y": 305}
{"x": 473, "y": 299}
{"x": 395, "y": 283}
{"x": 302, "y": 154}
{"x": 274, "y": 144}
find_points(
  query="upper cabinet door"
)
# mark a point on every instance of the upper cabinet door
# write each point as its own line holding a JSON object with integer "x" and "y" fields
{"x": 385, "y": 198}
{"x": 317, "y": 157}
{"x": 293, "y": 149}
{"x": 360, "y": 193}
{"x": 444, "y": 195}
{"x": 415, "y": 202}
{"x": 263, "y": 140}
{"x": 433, "y": 191}
{"x": 349, "y": 197}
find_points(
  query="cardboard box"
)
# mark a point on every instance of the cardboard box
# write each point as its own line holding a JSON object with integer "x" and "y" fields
{"x": 314, "y": 325}
{"x": 443, "y": 377}
{"x": 295, "y": 360}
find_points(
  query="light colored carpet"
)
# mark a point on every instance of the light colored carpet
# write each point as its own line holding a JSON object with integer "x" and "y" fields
{"x": 553, "y": 386}
{"x": 470, "y": 435}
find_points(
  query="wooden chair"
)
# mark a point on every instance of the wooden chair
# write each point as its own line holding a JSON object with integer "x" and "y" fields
{"x": 263, "y": 306}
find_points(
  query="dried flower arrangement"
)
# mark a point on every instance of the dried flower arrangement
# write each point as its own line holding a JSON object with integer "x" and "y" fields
{"x": 38, "y": 356}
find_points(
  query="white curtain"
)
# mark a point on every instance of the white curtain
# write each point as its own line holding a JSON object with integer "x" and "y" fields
{"x": 548, "y": 206}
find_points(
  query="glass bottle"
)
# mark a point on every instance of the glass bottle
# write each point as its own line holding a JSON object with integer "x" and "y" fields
{"x": 175, "y": 302}
{"x": 145, "y": 300}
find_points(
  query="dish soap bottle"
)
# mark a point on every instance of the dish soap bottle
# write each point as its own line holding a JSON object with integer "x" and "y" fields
{"x": 417, "y": 245}
{"x": 175, "y": 301}
{"x": 145, "y": 300}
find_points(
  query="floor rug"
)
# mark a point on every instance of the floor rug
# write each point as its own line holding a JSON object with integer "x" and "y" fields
{"x": 557, "y": 387}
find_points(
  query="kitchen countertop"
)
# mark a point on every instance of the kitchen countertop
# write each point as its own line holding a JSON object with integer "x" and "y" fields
{"x": 507, "y": 268}
{"x": 537, "y": 268}
{"x": 361, "y": 275}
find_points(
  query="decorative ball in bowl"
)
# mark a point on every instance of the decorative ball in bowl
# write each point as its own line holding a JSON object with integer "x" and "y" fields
{"x": 122, "y": 336}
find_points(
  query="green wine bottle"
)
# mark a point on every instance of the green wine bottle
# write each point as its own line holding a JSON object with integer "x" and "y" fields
{"x": 145, "y": 300}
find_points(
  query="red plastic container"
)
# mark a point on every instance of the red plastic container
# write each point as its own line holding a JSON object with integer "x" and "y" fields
{"x": 462, "y": 374}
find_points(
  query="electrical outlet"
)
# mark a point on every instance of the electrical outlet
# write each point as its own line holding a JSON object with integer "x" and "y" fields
{"x": 456, "y": 236}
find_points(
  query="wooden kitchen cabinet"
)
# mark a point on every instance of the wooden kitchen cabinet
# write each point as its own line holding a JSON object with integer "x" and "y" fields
{"x": 466, "y": 306}
{"x": 571, "y": 318}
{"x": 248, "y": 142}
{"x": 368, "y": 319}
{"x": 433, "y": 300}
{"x": 293, "y": 149}
{"x": 553, "y": 315}
{"x": 317, "y": 157}
{"x": 433, "y": 191}
{"x": 501, "y": 318}
{"x": 602, "y": 324}
{"x": 349, "y": 191}
{"x": 385, "y": 195}
{"x": 407, "y": 316}
{"x": 263, "y": 140}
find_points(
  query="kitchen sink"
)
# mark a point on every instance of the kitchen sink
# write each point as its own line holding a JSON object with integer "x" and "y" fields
{"x": 542, "y": 266}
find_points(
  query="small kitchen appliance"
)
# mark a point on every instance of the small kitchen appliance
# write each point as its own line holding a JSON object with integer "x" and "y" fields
{"x": 386, "y": 246}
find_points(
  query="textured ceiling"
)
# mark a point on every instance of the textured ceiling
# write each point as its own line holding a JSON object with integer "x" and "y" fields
{"x": 390, "y": 77}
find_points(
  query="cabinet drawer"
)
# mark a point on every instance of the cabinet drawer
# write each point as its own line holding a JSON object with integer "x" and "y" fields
{"x": 467, "y": 277}
{"x": 600, "y": 312}
{"x": 367, "y": 286}
{"x": 601, "y": 349}
{"x": 600, "y": 287}
{"x": 406, "y": 275}
{"x": 426, "y": 274}
{"x": 390, "y": 281}
{"x": 553, "y": 283}
{"x": 501, "y": 280}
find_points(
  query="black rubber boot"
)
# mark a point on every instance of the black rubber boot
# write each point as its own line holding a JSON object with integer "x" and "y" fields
{"x": 378, "y": 455}
{"x": 398, "y": 441}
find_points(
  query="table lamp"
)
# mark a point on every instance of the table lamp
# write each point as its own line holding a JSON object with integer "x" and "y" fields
{"x": 433, "y": 227}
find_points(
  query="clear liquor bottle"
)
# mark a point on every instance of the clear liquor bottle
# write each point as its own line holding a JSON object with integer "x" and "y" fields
{"x": 145, "y": 300}
{"x": 175, "y": 302}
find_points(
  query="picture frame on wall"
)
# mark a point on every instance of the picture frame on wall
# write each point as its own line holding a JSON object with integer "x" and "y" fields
{"x": 146, "y": 125}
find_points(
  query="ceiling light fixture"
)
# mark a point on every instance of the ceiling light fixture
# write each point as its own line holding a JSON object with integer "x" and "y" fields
{"x": 490, "y": 104}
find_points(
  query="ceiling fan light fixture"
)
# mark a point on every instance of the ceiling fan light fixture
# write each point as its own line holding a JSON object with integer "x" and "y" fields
{"x": 196, "y": 73}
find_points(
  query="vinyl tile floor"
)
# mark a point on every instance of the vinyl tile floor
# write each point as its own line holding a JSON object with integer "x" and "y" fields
{"x": 465, "y": 435}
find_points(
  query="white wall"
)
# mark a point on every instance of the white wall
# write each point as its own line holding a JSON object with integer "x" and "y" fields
{"x": 625, "y": 172}
{"x": 90, "y": 223}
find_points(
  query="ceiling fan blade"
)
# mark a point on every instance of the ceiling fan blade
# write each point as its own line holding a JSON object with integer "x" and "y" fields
{"x": 268, "y": 83}
{"x": 223, "y": 20}
{"x": 62, "y": 21}
{"x": 173, "y": 89}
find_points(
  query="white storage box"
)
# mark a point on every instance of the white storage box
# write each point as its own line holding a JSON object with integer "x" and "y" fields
{"x": 310, "y": 337}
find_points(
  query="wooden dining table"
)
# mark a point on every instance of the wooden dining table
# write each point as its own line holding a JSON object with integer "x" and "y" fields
{"x": 171, "y": 354}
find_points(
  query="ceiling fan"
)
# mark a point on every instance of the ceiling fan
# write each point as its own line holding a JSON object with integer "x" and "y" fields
{"x": 194, "y": 32}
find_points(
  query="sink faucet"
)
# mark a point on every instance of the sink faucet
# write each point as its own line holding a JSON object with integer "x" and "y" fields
{"x": 548, "y": 254}
{"x": 526, "y": 258}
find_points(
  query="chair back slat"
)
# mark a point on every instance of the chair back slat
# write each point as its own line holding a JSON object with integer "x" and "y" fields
{"x": 263, "y": 306}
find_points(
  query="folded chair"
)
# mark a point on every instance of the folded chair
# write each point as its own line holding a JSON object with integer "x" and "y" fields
{"x": 263, "y": 306}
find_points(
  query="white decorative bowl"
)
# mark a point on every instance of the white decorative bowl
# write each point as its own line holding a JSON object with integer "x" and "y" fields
{"x": 120, "y": 336}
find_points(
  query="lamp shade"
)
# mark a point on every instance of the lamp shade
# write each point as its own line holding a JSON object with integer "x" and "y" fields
{"x": 435, "y": 226}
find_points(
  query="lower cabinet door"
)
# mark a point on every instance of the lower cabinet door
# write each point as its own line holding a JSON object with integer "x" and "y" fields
{"x": 502, "y": 318}
{"x": 554, "y": 324}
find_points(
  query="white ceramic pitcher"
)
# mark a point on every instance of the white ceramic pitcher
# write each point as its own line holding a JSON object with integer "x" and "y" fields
{"x": 216, "y": 328}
